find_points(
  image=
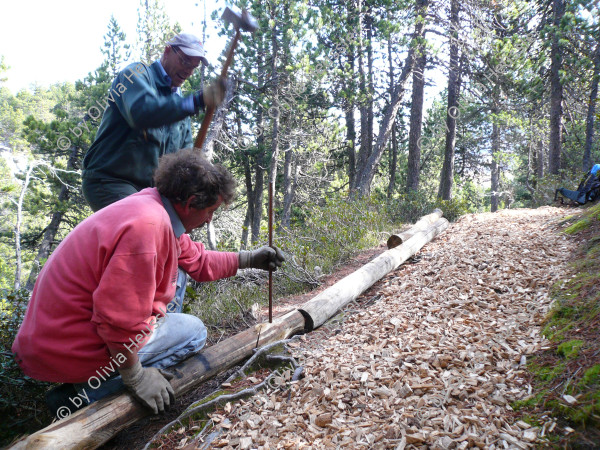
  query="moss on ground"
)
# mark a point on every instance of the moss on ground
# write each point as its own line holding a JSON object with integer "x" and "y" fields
{"x": 572, "y": 365}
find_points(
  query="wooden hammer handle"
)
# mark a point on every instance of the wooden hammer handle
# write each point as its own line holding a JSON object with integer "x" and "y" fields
{"x": 210, "y": 112}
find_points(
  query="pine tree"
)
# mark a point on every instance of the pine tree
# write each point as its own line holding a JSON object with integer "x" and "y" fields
{"x": 115, "y": 49}
{"x": 154, "y": 30}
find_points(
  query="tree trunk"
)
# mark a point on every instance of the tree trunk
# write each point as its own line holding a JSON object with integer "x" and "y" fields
{"x": 495, "y": 169}
{"x": 416, "y": 122}
{"x": 52, "y": 228}
{"x": 248, "y": 220}
{"x": 447, "y": 175}
{"x": 589, "y": 127}
{"x": 393, "y": 163}
{"x": 556, "y": 89}
{"x": 257, "y": 194}
{"x": 539, "y": 160}
{"x": 370, "y": 86}
{"x": 363, "y": 151}
{"x": 349, "y": 112}
{"x": 365, "y": 174}
{"x": 289, "y": 185}
{"x": 351, "y": 143}
{"x": 424, "y": 222}
{"x": 394, "y": 146}
{"x": 17, "y": 228}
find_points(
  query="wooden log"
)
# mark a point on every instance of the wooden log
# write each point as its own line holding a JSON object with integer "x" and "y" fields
{"x": 318, "y": 310}
{"x": 397, "y": 239}
{"x": 96, "y": 424}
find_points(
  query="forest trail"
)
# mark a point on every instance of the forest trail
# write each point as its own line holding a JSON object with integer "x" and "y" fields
{"x": 436, "y": 357}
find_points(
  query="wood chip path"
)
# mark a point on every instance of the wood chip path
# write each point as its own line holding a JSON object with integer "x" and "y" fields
{"x": 437, "y": 358}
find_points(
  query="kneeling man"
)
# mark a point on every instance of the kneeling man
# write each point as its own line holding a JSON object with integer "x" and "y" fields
{"x": 102, "y": 305}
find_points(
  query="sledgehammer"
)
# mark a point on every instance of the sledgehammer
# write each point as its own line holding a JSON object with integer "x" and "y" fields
{"x": 243, "y": 22}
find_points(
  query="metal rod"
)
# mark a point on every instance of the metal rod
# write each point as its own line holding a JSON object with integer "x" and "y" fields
{"x": 270, "y": 245}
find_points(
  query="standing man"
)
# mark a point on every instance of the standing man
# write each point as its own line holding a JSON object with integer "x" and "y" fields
{"x": 146, "y": 118}
{"x": 102, "y": 306}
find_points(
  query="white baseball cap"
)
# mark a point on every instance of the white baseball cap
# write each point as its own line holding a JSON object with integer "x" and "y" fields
{"x": 190, "y": 45}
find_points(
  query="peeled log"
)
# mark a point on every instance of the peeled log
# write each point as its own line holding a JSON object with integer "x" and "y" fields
{"x": 96, "y": 424}
{"x": 318, "y": 310}
{"x": 397, "y": 239}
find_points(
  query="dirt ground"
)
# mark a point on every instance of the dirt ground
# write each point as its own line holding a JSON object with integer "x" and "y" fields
{"x": 436, "y": 358}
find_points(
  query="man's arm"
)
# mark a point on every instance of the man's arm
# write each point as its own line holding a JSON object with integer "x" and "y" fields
{"x": 139, "y": 103}
{"x": 206, "y": 265}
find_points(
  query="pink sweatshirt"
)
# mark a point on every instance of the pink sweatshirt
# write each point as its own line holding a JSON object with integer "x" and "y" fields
{"x": 104, "y": 284}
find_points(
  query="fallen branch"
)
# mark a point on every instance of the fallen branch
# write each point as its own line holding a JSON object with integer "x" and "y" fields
{"x": 248, "y": 392}
{"x": 261, "y": 351}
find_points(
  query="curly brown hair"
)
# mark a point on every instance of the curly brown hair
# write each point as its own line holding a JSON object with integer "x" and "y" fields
{"x": 185, "y": 173}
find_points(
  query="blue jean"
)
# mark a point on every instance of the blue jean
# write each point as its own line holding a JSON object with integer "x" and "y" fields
{"x": 176, "y": 337}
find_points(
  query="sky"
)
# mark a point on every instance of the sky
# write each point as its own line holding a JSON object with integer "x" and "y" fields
{"x": 46, "y": 42}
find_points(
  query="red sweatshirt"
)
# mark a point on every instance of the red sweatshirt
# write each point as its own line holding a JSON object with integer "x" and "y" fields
{"x": 105, "y": 283}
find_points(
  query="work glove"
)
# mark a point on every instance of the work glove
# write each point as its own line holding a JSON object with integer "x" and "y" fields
{"x": 265, "y": 258}
{"x": 149, "y": 385}
{"x": 211, "y": 96}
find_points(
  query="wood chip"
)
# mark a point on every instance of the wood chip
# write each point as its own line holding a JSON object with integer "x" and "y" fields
{"x": 437, "y": 361}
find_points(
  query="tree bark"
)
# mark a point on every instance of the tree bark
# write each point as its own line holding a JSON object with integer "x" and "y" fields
{"x": 370, "y": 86}
{"x": 393, "y": 163}
{"x": 365, "y": 174}
{"x": 290, "y": 178}
{"x": 17, "y": 228}
{"x": 349, "y": 115}
{"x": 416, "y": 122}
{"x": 495, "y": 169}
{"x": 257, "y": 192}
{"x": 394, "y": 146}
{"x": 248, "y": 220}
{"x": 539, "y": 160}
{"x": 447, "y": 175}
{"x": 589, "y": 126}
{"x": 363, "y": 151}
{"x": 556, "y": 89}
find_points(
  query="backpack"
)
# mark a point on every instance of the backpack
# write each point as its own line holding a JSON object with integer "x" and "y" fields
{"x": 587, "y": 191}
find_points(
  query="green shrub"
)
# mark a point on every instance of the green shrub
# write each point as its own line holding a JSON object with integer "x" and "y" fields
{"x": 22, "y": 403}
{"x": 410, "y": 207}
{"x": 336, "y": 231}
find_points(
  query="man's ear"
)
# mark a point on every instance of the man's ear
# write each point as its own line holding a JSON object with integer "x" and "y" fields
{"x": 188, "y": 203}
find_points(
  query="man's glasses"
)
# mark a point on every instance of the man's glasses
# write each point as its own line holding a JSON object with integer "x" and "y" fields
{"x": 183, "y": 60}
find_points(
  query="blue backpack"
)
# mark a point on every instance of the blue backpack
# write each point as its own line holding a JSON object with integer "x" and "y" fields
{"x": 587, "y": 191}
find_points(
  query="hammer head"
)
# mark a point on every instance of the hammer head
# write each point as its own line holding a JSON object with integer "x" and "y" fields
{"x": 241, "y": 22}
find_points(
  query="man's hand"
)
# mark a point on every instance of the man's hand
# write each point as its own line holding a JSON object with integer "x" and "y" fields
{"x": 265, "y": 258}
{"x": 211, "y": 96}
{"x": 214, "y": 93}
{"x": 149, "y": 385}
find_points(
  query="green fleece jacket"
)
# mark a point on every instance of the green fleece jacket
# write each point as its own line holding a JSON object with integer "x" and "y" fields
{"x": 143, "y": 120}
